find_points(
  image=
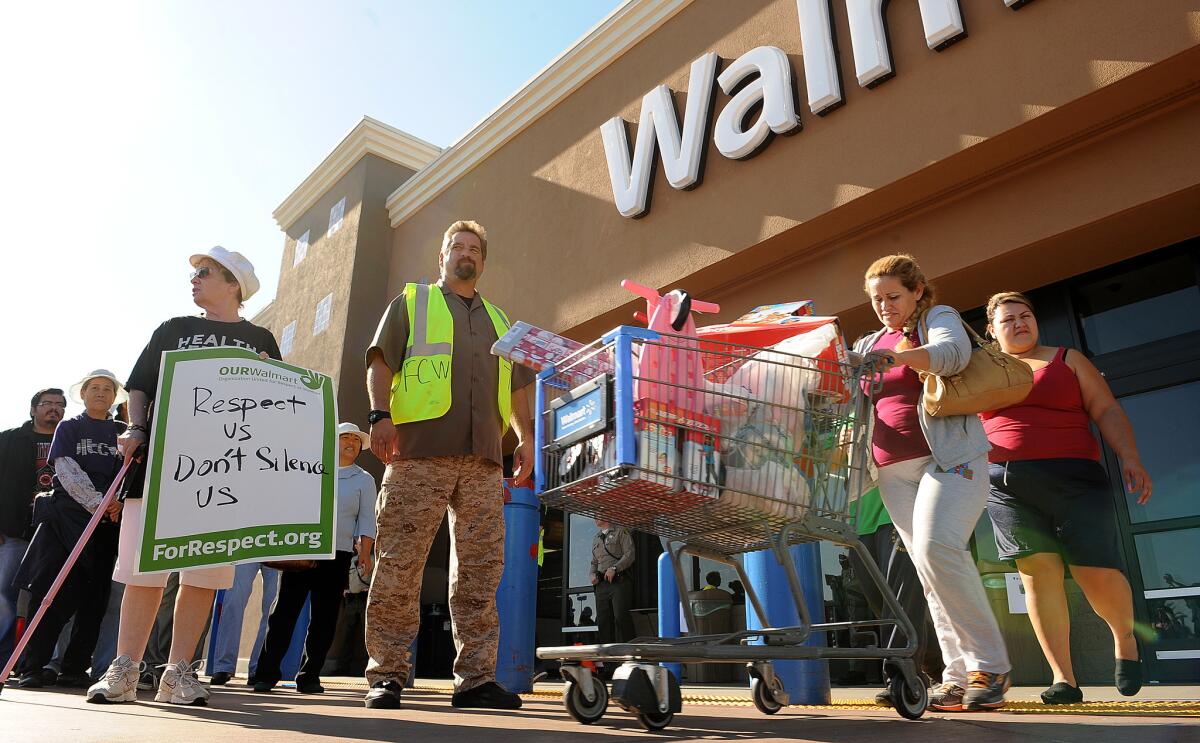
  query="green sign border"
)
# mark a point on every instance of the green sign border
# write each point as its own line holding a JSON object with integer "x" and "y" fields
{"x": 150, "y": 495}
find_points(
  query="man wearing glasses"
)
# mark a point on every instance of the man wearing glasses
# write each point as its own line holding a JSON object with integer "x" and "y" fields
{"x": 24, "y": 472}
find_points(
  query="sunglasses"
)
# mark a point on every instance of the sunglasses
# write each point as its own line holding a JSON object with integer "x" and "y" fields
{"x": 201, "y": 273}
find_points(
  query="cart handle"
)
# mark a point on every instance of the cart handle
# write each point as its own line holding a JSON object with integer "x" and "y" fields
{"x": 650, "y": 295}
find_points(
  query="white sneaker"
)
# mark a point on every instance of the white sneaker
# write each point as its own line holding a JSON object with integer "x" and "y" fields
{"x": 179, "y": 685}
{"x": 119, "y": 683}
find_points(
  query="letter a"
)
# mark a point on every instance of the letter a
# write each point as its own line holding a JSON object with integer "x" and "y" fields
{"x": 772, "y": 88}
{"x": 681, "y": 153}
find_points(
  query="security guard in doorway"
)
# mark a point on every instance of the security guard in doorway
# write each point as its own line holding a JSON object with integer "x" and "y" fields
{"x": 441, "y": 406}
{"x": 612, "y": 556}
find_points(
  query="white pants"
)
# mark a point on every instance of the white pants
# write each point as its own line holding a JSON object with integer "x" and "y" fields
{"x": 935, "y": 513}
{"x": 215, "y": 578}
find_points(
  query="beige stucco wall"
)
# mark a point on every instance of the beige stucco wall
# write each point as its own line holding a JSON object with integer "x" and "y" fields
{"x": 1041, "y": 123}
{"x": 346, "y": 264}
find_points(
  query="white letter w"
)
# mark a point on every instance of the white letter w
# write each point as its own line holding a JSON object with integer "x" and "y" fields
{"x": 681, "y": 154}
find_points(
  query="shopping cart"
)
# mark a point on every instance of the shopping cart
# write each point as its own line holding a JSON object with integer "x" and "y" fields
{"x": 721, "y": 449}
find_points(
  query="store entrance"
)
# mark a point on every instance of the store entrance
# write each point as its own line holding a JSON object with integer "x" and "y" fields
{"x": 1140, "y": 323}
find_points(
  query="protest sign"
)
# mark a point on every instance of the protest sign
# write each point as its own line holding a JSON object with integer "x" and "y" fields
{"x": 243, "y": 462}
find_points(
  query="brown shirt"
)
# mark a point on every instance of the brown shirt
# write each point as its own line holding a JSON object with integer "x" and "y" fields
{"x": 472, "y": 425}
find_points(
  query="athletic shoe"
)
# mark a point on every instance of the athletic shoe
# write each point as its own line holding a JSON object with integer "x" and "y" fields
{"x": 489, "y": 695}
{"x": 148, "y": 678}
{"x": 179, "y": 685}
{"x": 383, "y": 695}
{"x": 985, "y": 690}
{"x": 119, "y": 683}
{"x": 220, "y": 678}
{"x": 1062, "y": 693}
{"x": 884, "y": 698}
{"x": 946, "y": 697}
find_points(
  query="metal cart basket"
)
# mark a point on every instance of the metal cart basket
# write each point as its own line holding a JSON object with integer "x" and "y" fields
{"x": 720, "y": 449}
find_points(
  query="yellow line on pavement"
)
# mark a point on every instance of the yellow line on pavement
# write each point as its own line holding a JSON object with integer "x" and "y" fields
{"x": 1155, "y": 708}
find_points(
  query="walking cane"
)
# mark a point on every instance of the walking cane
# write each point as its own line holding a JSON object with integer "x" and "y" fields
{"x": 62, "y": 574}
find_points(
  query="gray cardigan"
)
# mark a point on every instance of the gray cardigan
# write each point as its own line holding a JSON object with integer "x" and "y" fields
{"x": 955, "y": 439}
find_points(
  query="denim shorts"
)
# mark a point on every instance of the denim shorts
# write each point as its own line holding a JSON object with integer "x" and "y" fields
{"x": 1063, "y": 506}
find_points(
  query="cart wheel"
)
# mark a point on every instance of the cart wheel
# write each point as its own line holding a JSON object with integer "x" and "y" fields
{"x": 655, "y": 721}
{"x": 763, "y": 697}
{"x": 910, "y": 706}
{"x": 580, "y": 708}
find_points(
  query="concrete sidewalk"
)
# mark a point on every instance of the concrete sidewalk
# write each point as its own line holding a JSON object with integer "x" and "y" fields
{"x": 237, "y": 715}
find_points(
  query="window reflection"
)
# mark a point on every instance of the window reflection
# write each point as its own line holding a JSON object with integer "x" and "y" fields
{"x": 1168, "y": 450}
{"x": 1169, "y": 559}
{"x": 583, "y": 528}
{"x": 1146, "y": 304}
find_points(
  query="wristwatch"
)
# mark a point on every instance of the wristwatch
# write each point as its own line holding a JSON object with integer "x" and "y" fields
{"x": 377, "y": 415}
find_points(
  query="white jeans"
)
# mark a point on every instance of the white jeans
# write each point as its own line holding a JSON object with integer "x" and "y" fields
{"x": 935, "y": 513}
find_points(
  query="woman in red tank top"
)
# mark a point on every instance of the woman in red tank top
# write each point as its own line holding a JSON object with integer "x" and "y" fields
{"x": 1051, "y": 501}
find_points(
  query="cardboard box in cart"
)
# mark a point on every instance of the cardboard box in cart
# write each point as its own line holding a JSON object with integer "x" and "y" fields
{"x": 658, "y": 442}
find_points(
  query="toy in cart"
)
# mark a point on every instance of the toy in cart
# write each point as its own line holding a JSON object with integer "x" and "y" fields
{"x": 721, "y": 447}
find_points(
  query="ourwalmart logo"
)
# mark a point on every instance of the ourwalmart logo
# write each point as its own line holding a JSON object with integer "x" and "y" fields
{"x": 312, "y": 380}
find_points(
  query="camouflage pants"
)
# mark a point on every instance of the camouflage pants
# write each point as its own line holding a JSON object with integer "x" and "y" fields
{"x": 415, "y": 495}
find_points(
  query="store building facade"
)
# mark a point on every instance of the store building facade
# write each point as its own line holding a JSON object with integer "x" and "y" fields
{"x": 1043, "y": 146}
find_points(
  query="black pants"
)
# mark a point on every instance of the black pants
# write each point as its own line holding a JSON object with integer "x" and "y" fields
{"x": 84, "y": 595}
{"x": 323, "y": 585}
{"x": 613, "y": 602}
{"x": 893, "y": 561}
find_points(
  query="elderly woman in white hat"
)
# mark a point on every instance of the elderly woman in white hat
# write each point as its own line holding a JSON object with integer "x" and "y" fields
{"x": 325, "y": 580}
{"x": 86, "y": 461}
{"x": 221, "y": 280}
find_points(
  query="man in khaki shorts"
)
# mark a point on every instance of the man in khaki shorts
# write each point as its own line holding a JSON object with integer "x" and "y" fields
{"x": 442, "y": 403}
{"x": 221, "y": 281}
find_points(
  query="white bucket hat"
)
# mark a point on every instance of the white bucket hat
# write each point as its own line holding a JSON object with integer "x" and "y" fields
{"x": 364, "y": 437}
{"x": 77, "y": 388}
{"x": 236, "y": 264}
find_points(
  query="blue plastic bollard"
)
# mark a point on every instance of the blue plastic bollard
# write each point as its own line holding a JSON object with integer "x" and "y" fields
{"x": 516, "y": 599}
{"x": 668, "y": 607}
{"x": 806, "y": 681}
{"x": 291, "y": 660}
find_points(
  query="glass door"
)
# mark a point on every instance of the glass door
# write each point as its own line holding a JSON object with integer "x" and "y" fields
{"x": 1140, "y": 324}
{"x": 1165, "y": 532}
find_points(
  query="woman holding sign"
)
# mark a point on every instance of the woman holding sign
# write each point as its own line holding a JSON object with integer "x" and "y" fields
{"x": 323, "y": 582}
{"x": 221, "y": 281}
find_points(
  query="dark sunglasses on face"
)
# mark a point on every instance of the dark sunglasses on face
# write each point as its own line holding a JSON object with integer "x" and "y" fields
{"x": 201, "y": 273}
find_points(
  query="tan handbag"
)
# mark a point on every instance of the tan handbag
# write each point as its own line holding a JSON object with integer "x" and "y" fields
{"x": 991, "y": 380}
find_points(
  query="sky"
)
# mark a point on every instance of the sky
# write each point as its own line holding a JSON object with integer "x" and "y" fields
{"x": 137, "y": 133}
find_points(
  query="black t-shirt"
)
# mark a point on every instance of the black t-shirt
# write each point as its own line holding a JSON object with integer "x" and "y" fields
{"x": 43, "y": 471}
{"x": 177, "y": 334}
{"x": 190, "y": 331}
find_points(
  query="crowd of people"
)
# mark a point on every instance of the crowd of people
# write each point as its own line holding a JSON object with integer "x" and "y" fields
{"x": 1033, "y": 466}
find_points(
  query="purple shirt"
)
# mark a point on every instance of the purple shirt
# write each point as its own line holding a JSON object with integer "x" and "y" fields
{"x": 897, "y": 436}
{"x": 93, "y": 446}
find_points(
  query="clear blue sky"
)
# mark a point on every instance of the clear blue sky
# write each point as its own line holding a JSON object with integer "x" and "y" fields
{"x": 137, "y": 133}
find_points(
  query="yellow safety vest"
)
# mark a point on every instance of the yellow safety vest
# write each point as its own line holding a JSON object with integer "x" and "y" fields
{"x": 421, "y": 386}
